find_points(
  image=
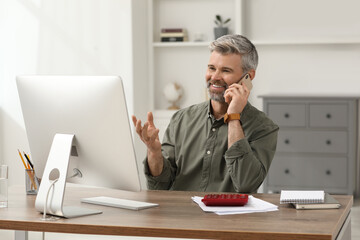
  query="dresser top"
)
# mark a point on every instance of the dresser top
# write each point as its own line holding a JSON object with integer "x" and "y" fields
{"x": 312, "y": 95}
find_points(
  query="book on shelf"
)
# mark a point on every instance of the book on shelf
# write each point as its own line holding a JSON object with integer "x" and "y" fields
{"x": 173, "y": 39}
{"x": 173, "y": 35}
{"x": 329, "y": 203}
{"x": 290, "y": 196}
{"x": 173, "y": 30}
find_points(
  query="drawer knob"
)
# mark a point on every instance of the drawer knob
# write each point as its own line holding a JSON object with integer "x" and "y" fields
{"x": 286, "y": 115}
{"x": 287, "y": 171}
{"x": 287, "y": 141}
{"x": 328, "y": 142}
{"x": 328, "y": 116}
{"x": 328, "y": 172}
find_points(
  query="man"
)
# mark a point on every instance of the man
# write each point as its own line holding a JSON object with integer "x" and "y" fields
{"x": 202, "y": 150}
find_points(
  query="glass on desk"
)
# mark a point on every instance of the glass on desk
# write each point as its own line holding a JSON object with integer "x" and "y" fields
{"x": 31, "y": 182}
{"x": 3, "y": 186}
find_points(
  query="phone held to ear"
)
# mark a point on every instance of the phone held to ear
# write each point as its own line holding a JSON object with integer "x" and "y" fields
{"x": 247, "y": 81}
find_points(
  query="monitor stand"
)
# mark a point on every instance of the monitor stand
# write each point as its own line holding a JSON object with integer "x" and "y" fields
{"x": 51, "y": 194}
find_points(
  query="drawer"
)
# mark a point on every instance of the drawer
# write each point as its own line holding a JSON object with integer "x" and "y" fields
{"x": 328, "y": 115}
{"x": 289, "y": 115}
{"x": 312, "y": 141}
{"x": 315, "y": 173}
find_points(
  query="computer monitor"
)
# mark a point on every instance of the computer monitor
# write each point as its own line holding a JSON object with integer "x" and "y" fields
{"x": 93, "y": 110}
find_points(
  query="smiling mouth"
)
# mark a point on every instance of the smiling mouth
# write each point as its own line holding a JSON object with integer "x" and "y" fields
{"x": 217, "y": 88}
{"x": 216, "y": 85}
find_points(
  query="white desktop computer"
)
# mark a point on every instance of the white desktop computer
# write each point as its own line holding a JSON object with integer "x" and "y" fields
{"x": 81, "y": 123}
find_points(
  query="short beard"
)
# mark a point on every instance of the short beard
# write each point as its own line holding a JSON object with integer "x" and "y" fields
{"x": 218, "y": 97}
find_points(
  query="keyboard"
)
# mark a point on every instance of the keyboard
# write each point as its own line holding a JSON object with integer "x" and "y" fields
{"x": 119, "y": 203}
{"x": 225, "y": 199}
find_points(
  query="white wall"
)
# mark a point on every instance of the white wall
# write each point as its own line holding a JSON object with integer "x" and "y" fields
{"x": 140, "y": 75}
{"x": 19, "y": 46}
{"x": 81, "y": 37}
{"x": 2, "y": 69}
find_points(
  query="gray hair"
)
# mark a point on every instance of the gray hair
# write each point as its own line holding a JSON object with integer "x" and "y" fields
{"x": 237, "y": 44}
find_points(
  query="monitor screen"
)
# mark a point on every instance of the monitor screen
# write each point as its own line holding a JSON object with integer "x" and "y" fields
{"x": 93, "y": 108}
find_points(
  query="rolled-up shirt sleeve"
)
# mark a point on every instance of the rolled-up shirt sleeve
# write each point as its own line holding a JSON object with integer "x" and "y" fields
{"x": 248, "y": 160}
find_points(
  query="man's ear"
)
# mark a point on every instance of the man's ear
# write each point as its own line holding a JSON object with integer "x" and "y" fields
{"x": 252, "y": 74}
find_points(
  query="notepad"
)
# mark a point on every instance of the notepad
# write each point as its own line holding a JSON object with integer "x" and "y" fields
{"x": 119, "y": 203}
{"x": 329, "y": 203}
{"x": 302, "y": 197}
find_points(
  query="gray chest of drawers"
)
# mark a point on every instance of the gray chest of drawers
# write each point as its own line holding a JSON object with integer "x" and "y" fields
{"x": 317, "y": 143}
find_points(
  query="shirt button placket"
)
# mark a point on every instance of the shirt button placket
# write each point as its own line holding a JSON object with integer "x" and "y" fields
{"x": 207, "y": 159}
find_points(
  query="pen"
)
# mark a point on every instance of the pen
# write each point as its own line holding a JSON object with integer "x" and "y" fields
{"x": 27, "y": 168}
{"x": 22, "y": 159}
{"x": 28, "y": 159}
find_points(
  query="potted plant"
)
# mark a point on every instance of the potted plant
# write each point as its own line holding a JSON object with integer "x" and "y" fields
{"x": 220, "y": 30}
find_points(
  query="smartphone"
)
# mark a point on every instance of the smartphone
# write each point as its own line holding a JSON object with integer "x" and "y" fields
{"x": 247, "y": 81}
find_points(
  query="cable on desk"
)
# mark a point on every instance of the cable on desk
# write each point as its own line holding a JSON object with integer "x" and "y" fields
{"x": 45, "y": 205}
{"x": 47, "y": 197}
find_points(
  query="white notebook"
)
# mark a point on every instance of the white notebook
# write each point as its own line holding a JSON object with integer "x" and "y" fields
{"x": 329, "y": 203}
{"x": 302, "y": 197}
{"x": 119, "y": 203}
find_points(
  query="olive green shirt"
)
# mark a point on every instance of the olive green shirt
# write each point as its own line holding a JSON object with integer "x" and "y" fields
{"x": 197, "y": 157}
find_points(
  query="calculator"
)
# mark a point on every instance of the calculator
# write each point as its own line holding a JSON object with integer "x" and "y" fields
{"x": 225, "y": 199}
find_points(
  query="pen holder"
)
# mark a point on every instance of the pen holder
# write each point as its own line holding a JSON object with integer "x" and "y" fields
{"x": 31, "y": 182}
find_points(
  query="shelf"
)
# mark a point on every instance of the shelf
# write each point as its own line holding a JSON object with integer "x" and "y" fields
{"x": 262, "y": 43}
{"x": 167, "y": 60}
{"x": 308, "y": 42}
{"x": 180, "y": 44}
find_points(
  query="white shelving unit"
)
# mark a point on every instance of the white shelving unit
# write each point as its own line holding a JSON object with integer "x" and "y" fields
{"x": 180, "y": 44}
{"x": 263, "y": 43}
{"x": 184, "y": 62}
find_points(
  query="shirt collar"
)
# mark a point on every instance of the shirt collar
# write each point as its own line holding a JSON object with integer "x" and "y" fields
{"x": 210, "y": 115}
{"x": 209, "y": 109}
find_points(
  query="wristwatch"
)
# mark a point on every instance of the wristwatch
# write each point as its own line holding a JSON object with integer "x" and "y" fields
{"x": 232, "y": 116}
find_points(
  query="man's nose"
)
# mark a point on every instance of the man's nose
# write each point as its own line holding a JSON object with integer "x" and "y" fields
{"x": 216, "y": 75}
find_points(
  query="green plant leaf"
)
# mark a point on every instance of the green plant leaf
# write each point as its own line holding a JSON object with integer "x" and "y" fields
{"x": 218, "y": 17}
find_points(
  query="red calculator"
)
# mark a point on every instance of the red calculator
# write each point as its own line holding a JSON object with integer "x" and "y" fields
{"x": 225, "y": 199}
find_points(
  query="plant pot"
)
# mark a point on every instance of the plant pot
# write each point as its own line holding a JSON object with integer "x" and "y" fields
{"x": 220, "y": 31}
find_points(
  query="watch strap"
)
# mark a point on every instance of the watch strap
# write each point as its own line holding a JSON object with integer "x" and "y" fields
{"x": 232, "y": 116}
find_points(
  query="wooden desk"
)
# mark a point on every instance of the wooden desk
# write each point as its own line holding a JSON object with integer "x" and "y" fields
{"x": 178, "y": 216}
